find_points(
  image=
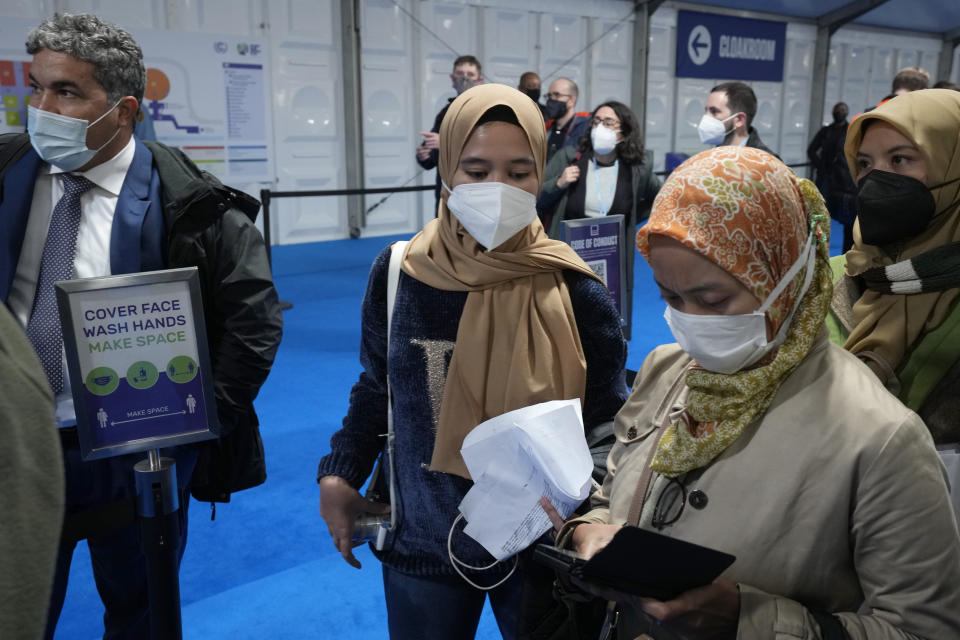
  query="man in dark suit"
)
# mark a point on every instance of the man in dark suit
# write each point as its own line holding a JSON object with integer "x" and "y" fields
{"x": 82, "y": 197}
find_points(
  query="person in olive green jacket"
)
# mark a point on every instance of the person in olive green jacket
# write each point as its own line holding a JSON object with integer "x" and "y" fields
{"x": 607, "y": 173}
{"x": 31, "y": 486}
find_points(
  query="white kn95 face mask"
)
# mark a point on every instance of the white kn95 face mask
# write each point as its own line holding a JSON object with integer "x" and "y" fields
{"x": 491, "y": 212}
{"x": 731, "y": 343}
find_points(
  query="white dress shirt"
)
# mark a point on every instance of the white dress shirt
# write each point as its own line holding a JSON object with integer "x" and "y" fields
{"x": 93, "y": 242}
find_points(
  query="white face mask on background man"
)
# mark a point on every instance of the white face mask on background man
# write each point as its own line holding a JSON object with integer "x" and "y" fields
{"x": 730, "y": 343}
{"x": 711, "y": 130}
{"x": 61, "y": 140}
{"x": 604, "y": 140}
{"x": 491, "y": 212}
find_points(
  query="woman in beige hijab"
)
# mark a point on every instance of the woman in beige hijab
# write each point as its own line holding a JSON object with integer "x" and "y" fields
{"x": 490, "y": 316}
{"x": 895, "y": 305}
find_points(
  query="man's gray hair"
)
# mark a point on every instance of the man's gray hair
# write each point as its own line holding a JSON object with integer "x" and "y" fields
{"x": 116, "y": 57}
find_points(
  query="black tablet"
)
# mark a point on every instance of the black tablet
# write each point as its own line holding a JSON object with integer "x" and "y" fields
{"x": 641, "y": 562}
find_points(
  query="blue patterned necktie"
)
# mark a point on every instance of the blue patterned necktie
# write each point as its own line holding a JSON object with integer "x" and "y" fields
{"x": 59, "y": 250}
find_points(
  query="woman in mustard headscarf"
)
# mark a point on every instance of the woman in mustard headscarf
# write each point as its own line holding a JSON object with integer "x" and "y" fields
{"x": 490, "y": 316}
{"x": 895, "y": 305}
{"x": 757, "y": 437}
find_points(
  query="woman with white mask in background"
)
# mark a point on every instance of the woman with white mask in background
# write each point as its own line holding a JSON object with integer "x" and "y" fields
{"x": 605, "y": 174}
{"x": 757, "y": 436}
{"x": 490, "y": 315}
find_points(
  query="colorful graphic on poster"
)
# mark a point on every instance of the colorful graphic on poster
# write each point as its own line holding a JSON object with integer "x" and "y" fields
{"x": 15, "y": 91}
{"x": 209, "y": 96}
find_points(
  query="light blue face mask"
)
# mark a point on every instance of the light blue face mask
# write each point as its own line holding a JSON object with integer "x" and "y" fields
{"x": 62, "y": 140}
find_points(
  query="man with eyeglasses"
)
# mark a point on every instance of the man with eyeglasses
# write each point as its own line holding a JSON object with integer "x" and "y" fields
{"x": 564, "y": 124}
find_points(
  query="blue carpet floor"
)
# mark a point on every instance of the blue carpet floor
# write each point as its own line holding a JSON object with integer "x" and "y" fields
{"x": 266, "y": 568}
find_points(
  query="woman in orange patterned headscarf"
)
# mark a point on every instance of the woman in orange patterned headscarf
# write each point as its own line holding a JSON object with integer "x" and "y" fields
{"x": 758, "y": 437}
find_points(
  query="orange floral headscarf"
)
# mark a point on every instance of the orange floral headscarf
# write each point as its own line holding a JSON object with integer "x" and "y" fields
{"x": 747, "y": 212}
{"x": 741, "y": 208}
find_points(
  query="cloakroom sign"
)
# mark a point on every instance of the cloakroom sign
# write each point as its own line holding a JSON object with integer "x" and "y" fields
{"x": 713, "y": 46}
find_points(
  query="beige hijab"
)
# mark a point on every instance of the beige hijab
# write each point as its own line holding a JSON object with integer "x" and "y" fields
{"x": 517, "y": 342}
{"x": 887, "y": 325}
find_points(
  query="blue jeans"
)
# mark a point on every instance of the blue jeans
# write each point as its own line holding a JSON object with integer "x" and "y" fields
{"x": 431, "y": 607}
{"x": 119, "y": 565}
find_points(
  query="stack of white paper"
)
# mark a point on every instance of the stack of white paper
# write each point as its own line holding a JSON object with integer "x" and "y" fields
{"x": 516, "y": 458}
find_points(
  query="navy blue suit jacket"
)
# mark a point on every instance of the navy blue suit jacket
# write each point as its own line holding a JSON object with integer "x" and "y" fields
{"x": 137, "y": 238}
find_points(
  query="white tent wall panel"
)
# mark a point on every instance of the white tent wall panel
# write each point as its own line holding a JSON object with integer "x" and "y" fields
{"x": 389, "y": 129}
{"x": 132, "y": 14}
{"x": 661, "y": 92}
{"x": 30, "y": 9}
{"x": 794, "y": 132}
{"x": 563, "y": 39}
{"x": 308, "y": 124}
{"x": 955, "y": 70}
{"x": 508, "y": 44}
{"x": 450, "y": 28}
{"x": 866, "y": 62}
{"x": 610, "y": 62}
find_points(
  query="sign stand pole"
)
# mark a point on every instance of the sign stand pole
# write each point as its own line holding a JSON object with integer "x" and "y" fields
{"x": 159, "y": 510}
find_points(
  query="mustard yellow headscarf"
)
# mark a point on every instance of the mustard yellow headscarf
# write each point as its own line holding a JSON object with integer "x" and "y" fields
{"x": 887, "y": 325}
{"x": 517, "y": 341}
{"x": 748, "y": 213}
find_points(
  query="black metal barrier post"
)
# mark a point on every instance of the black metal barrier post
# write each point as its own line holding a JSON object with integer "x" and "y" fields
{"x": 158, "y": 507}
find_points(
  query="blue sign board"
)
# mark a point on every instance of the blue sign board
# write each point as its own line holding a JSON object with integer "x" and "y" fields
{"x": 600, "y": 243}
{"x": 713, "y": 46}
{"x": 138, "y": 360}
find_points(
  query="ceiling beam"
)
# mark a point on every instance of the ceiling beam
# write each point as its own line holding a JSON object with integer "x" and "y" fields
{"x": 827, "y": 25}
{"x": 952, "y": 36}
{"x": 840, "y": 16}
{"x": 643, "y": 10}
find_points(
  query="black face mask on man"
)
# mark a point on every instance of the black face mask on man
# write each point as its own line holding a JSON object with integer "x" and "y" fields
{"x": 533, "y": 93}
{"x": 555, "y": 109}
{"x": 893, "y": 208}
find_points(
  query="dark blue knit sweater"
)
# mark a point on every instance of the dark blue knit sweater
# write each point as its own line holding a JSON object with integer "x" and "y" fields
{"x": 423, "y": 333}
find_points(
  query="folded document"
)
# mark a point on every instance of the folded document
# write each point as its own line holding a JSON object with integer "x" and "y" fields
{"x": 516, "y": 458}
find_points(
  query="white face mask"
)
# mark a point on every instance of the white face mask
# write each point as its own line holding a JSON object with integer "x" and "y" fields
{"x": 604, "y": 140}
{"x": 61, "y": 140}
{"x": 727, "y": 344}
{"x": 712, "y": 130}
{"x": 491, "y": 212}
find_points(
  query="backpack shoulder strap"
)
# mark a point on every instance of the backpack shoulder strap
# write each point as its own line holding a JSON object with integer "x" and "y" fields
{"x": 393, "y": 280}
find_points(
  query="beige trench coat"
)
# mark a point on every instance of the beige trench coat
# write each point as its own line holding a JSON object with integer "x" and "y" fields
{"x": 834, "y": 501}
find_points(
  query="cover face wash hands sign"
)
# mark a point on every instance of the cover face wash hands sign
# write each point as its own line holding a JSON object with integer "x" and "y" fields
{"x": 139, "y": 365}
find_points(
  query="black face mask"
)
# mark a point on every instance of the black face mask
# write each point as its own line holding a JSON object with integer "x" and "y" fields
{"x": 893, "y": 208}
{"x": 555, "y": 108}
{"x": 533, "y": 93}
